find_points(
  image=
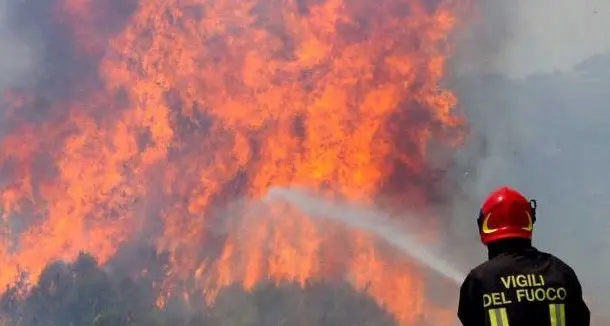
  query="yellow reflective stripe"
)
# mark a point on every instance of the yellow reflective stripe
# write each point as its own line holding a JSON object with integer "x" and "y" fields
{"x": 504, "y": 317}
{"x": 498, "y": 317}
{"x": 492, "y": 317}
{"x": 558, "y": 314}
{"x": 553, "y": 312}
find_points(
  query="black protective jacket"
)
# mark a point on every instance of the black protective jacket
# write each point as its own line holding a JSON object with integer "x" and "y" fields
{"x": 522, "y": 286}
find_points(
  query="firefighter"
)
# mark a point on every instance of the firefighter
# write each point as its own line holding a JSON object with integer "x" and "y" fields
{"x": 518, "y": 285}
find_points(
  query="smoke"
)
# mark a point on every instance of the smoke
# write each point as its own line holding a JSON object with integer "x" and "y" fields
{"x": 518, "y": 38}
{"x": 18, "y": 59}
{"x": 546, "y": 132}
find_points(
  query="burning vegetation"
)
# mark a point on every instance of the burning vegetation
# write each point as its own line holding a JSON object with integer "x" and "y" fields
{"x": 83, "y": 294}
{"x": 153, "y": 118}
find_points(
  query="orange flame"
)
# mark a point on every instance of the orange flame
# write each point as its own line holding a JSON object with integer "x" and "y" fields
{"x": 203, "y": 102}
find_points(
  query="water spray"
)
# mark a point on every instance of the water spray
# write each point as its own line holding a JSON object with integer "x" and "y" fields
{"x": 372, "y": 221}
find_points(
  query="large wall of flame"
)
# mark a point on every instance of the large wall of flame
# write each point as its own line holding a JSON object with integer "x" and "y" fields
{"x": 153, "y": 115}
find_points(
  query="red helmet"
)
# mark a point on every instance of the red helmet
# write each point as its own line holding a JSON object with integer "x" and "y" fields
{"x": 506, "y": 213}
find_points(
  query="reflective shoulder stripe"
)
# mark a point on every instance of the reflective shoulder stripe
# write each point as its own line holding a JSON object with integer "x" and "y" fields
{"x": 498, "y": 317}
{"x": 557, "y": 314}
{"x": 504, "y": 316}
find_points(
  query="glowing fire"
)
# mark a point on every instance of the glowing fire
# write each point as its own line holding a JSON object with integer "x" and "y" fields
{"x": 202, "y": 102}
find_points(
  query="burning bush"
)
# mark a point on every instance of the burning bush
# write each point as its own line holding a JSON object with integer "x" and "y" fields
{"x": 82, "y": 293}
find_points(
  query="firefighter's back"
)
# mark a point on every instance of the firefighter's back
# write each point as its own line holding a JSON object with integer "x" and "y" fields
{"x": 530, "y": 288}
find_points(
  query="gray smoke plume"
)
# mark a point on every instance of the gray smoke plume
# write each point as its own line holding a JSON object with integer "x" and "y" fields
{"x": 533, "y": 79}
{"x": 18, "y": 59}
